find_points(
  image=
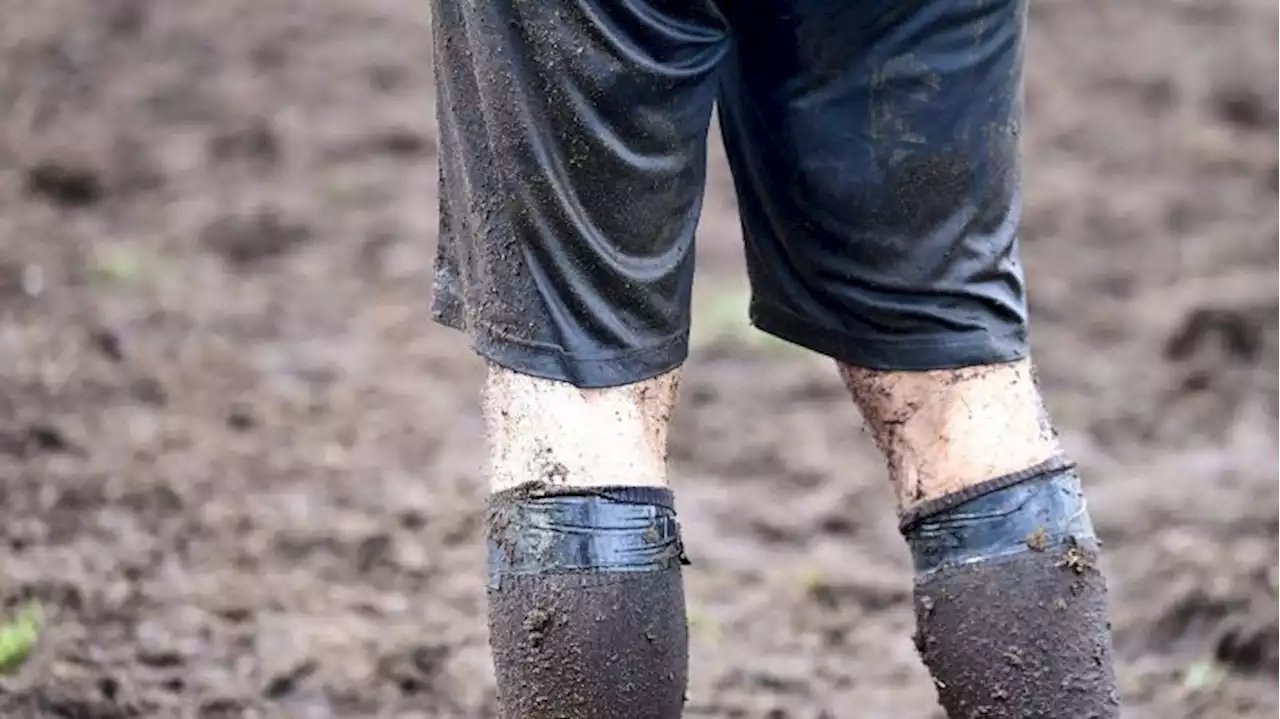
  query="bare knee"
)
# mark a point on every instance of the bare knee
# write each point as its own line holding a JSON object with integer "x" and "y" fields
{"x": 555, "y": 433}
{"x": 944, "y": 430}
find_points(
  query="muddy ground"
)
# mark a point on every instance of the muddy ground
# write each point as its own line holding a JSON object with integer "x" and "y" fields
{"x": 242, "y": 471}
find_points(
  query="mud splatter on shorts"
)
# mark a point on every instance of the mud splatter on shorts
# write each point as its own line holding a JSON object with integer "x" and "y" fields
{"x": 874, "y": 147}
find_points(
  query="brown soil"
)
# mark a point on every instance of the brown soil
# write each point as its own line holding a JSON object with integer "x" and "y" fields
{"x": 242, "y": 471}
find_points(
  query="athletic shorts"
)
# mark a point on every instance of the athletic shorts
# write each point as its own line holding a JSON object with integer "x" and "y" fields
{"x": 874, "y": 150}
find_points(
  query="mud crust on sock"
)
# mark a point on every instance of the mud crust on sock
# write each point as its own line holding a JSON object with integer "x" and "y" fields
{"x": 585, "y": 645}
{"x": 1020, "y": 637}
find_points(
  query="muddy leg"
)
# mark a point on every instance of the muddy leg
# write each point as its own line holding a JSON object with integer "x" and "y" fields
{"x": 586, "y": 603}
{"x": 1011, "y": 609}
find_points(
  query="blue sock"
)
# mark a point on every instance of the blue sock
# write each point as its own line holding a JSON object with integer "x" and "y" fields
{"x": 1011, "y": 609}
{"x": 586, "y": 603}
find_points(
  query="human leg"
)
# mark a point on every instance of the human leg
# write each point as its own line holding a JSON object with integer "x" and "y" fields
{"x": 874, "y": 148}
{"x": 572, "y": 165}
{"x": 587, "y": 615}
{"x": 1011, "y": 607}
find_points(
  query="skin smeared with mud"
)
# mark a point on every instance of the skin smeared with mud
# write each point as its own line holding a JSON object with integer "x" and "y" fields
{"x": 1022, "y": 637}
{"x": 555, "y": 433}
{"x": 944, "y": 430}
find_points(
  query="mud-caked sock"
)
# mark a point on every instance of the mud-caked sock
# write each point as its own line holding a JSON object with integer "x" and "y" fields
{"x": 1011, "y": 608}
{"x": 586, "y": 603}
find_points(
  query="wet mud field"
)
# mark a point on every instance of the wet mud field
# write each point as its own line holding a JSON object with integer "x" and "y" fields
{"x": 242, "y": 472}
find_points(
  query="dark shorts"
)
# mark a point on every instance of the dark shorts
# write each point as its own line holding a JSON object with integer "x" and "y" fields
{"x": 874, "y": 148}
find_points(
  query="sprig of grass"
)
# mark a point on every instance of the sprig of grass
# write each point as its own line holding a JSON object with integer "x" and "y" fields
{"x": 121, "y": 266}
{"x": 18, "y": 637}
{"x": 1204, "y": 675}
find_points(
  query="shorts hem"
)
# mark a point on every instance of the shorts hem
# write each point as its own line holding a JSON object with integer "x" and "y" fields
{"x": 554, "y": 363}
{"x": 895, "y": 354}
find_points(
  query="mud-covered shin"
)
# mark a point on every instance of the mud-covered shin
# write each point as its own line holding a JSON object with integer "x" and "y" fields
{"x": 586, "y": 603}
{"x": 1011, "y": 609}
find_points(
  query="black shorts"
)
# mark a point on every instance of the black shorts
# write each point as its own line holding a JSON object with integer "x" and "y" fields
{"x": 874, "y": 148}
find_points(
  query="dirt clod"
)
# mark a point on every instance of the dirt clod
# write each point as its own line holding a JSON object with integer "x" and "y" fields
{"x": 1036, "y": 540}
{"x": 65, "y": 184}
{"x": 246, "y": 241}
